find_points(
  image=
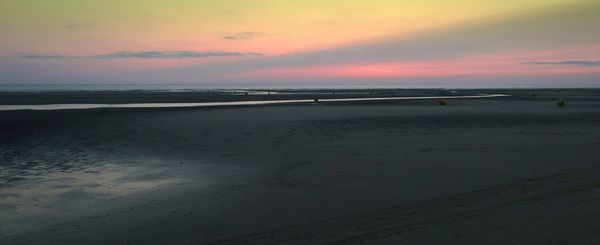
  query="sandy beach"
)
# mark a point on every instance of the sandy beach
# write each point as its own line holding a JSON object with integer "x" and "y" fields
{"x": 505, "y": 170}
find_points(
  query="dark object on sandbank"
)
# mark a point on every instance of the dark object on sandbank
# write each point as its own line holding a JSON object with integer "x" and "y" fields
{"x": 442, "y": 103}
{"x": 316, "y": 100}
{"x": 561, "y": 103}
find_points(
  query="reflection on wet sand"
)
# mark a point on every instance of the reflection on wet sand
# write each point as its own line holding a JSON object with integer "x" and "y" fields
{"x": 55, "y": 195}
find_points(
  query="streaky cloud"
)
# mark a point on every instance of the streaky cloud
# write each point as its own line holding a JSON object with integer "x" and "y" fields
{"x": 242, "y": 35}
{"x": 179, "y": 54}
{"x": 49, "y": 56}
{"x": 565, "y": 62}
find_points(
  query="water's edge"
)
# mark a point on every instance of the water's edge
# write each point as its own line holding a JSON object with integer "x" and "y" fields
{"x": 228, "y": 103}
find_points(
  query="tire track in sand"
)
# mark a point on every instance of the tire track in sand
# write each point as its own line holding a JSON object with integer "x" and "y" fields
{"x": 410, "y": 218}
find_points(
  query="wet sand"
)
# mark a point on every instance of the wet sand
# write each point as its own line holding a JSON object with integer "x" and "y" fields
{"x": 504, "y": 170}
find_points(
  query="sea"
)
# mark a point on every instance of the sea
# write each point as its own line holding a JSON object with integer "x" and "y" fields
{"x": 203, "y": 87}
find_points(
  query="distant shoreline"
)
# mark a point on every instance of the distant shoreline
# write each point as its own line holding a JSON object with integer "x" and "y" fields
{"x": 4, "y": 88}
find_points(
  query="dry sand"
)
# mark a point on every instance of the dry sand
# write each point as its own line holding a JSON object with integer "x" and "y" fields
{"x": 515, "y": 170}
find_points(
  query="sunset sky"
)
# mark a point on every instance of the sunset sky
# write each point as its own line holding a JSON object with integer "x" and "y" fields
{"x": 428, "y": 42}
